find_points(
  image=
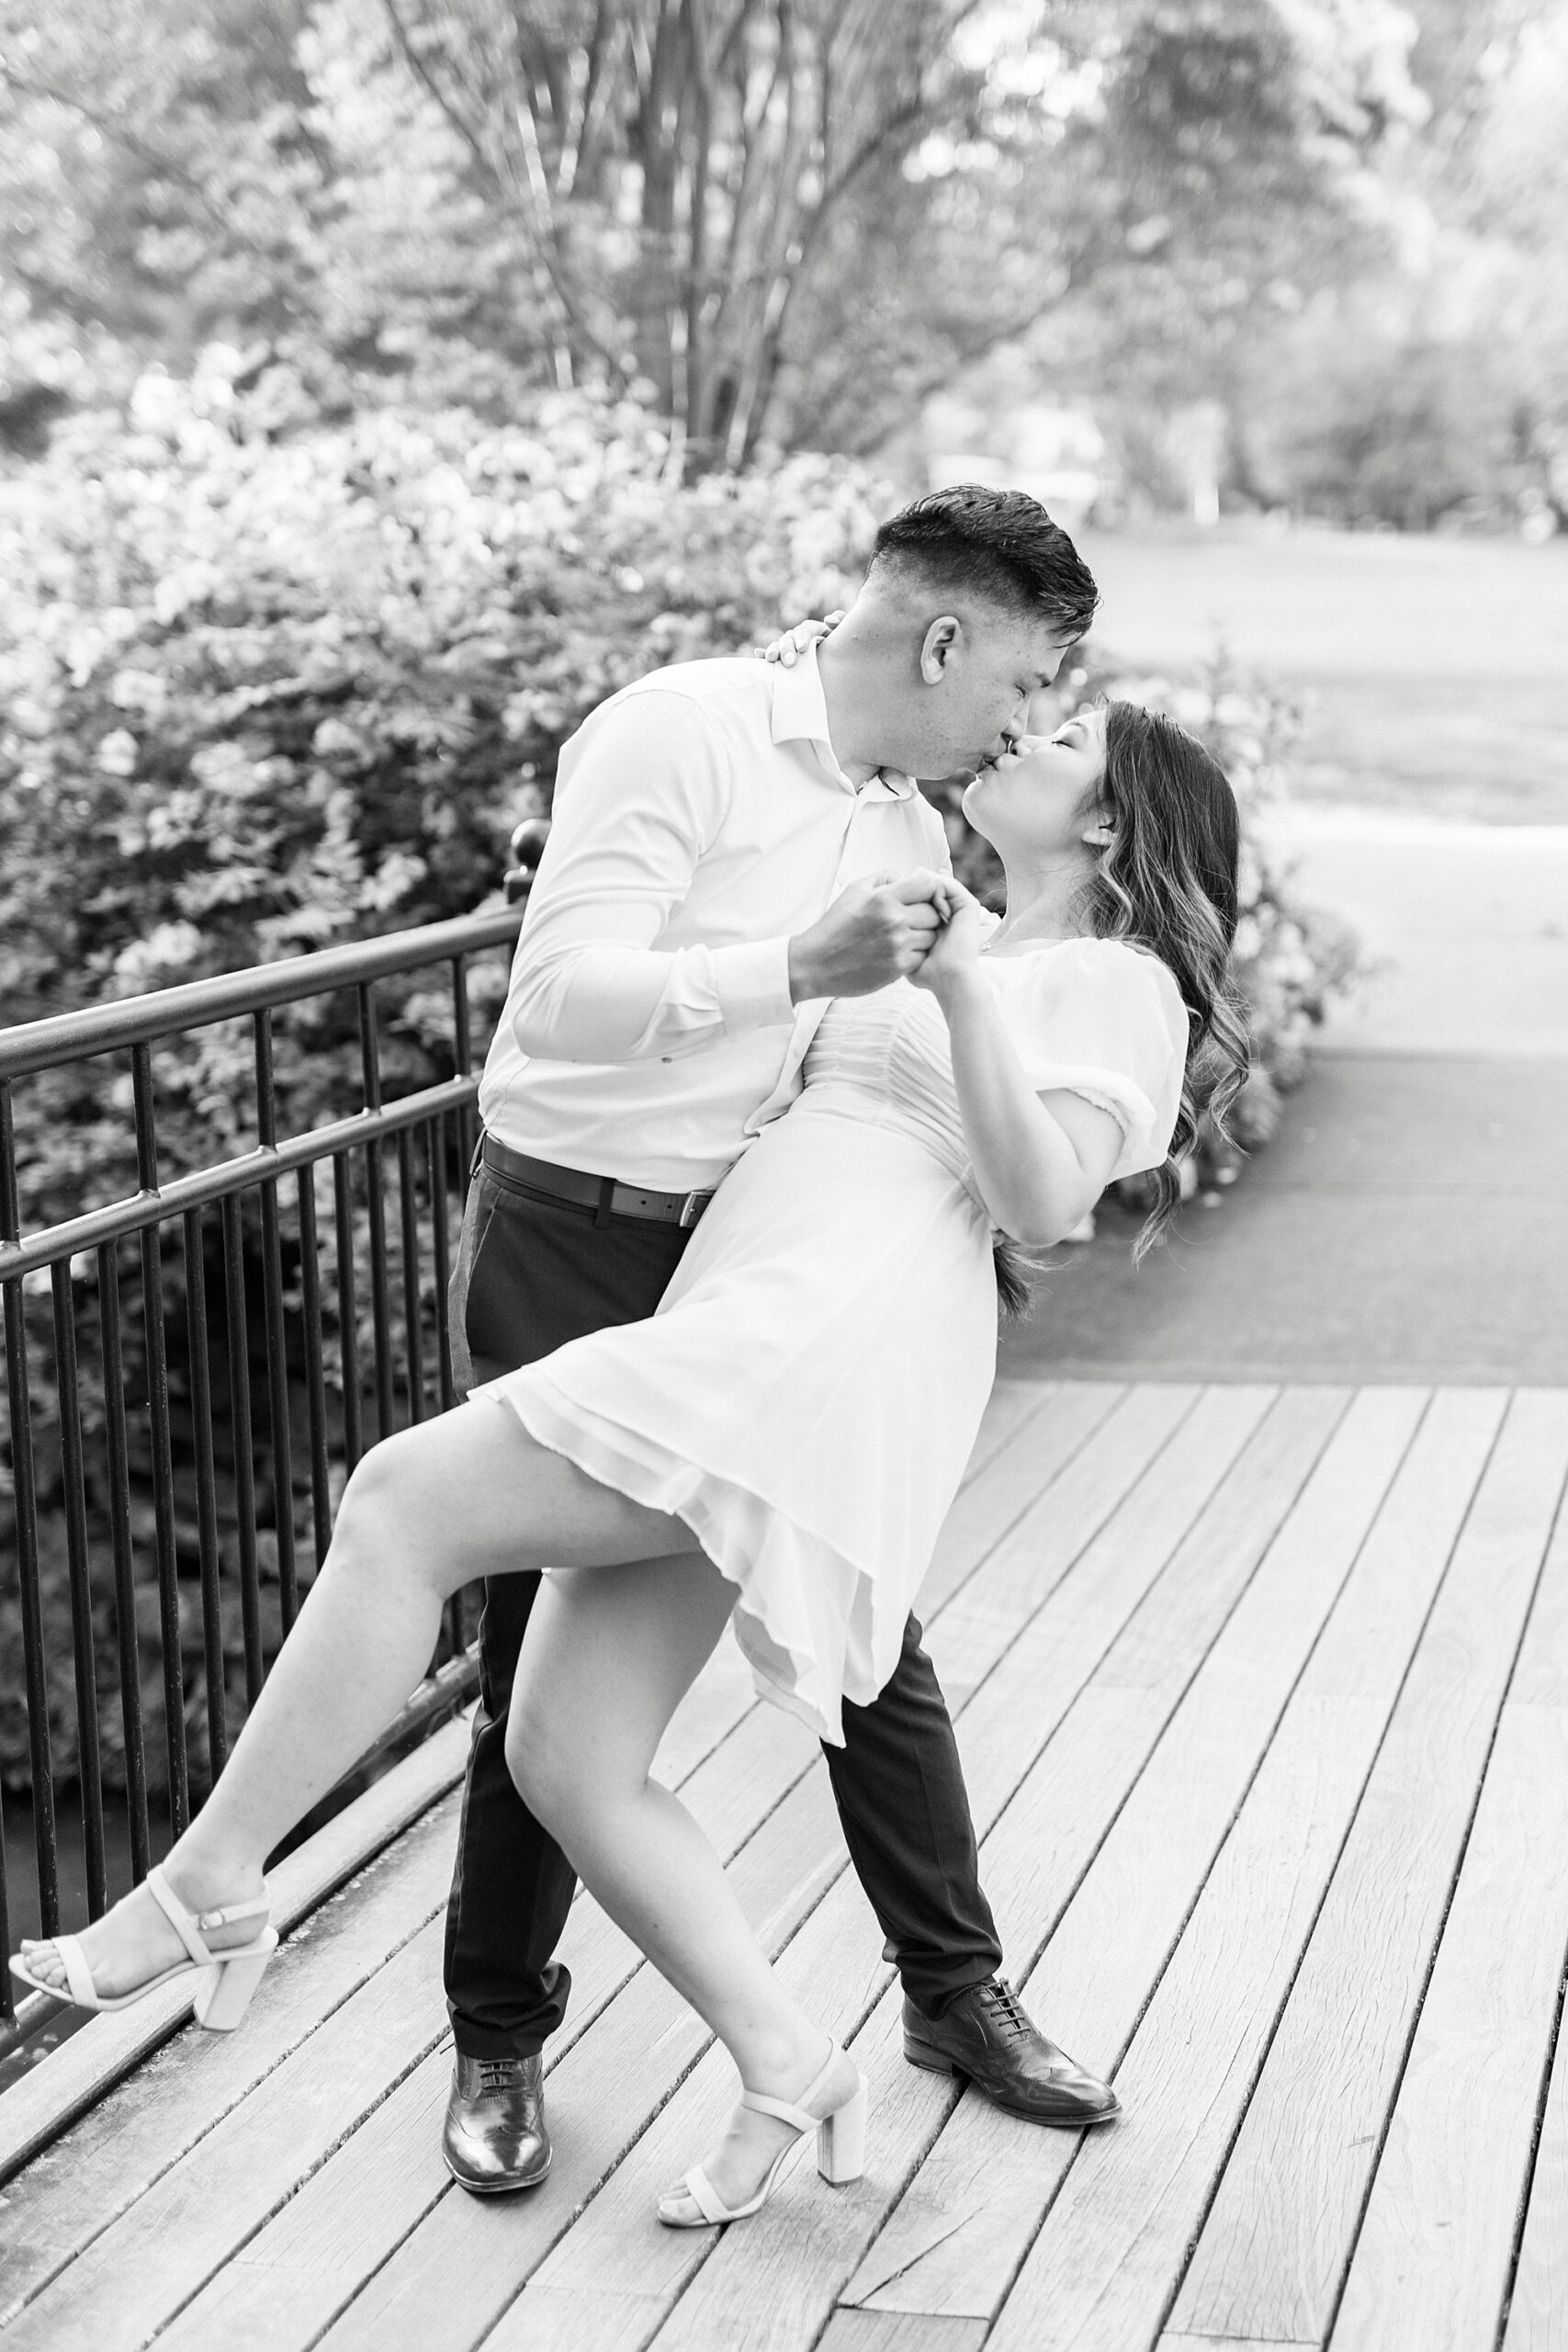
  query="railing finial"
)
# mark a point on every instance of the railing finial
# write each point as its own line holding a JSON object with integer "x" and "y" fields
{"x": 528, "y": 847}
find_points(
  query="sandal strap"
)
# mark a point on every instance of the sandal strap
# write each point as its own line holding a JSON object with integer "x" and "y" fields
{"x": 79, "y": 1982}
{"x": 183, "y": 1923}
{"x": 260, "y": 1908}
{"x": 705, "y": 2197}
{"x": 800, "y": 2116}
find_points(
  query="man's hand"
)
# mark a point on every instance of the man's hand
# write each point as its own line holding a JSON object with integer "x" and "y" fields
{"x": 875, "y": 933}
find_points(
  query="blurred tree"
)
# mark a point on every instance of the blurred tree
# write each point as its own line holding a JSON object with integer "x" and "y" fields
{"x": 676, "y": 165}
{"x": 788, "y": 218}
{"x": 1137, "y": 184}
{"x": 151, "y": 158}
{"x": 1435, "y": 382}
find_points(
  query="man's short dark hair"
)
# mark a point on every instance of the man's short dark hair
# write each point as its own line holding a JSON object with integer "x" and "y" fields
{"x": 1000, "y": 544}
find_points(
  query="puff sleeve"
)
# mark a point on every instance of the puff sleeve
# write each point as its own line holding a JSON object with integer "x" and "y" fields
{"x": 1097, "y": 1018}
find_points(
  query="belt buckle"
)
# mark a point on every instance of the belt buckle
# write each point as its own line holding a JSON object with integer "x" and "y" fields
{"x": 692, "y": 1208}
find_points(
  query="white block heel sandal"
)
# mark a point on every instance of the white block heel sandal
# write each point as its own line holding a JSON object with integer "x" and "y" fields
{"x": 841, "y": 2153}
{"x": 228, "y": 1977}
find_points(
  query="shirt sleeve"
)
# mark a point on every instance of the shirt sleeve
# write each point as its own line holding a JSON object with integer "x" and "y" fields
{"x": 1104, "y": 1021}
{"x": 644, "y": 787}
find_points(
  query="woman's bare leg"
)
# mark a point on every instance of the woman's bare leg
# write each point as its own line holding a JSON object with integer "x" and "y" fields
{"x": 609, "y": 1654}
{"x": 466, "y": 1496}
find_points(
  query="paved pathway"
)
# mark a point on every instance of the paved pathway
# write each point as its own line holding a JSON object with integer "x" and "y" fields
{"x": 1411, "y": 1220}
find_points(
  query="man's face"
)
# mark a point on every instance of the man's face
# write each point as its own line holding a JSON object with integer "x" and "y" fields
{"x": 978, "y": 680}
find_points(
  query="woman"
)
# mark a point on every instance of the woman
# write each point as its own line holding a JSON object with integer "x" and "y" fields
{"x": 781, "y": 1441}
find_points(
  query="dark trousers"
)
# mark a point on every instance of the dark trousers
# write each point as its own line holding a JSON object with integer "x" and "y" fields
{"x": 531, "y": 1274}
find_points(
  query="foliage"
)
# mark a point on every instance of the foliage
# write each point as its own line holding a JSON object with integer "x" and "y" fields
{"x": 715, "y": 200}
{"x": 1434, "y": 382}
{"x": 264, "y": 694}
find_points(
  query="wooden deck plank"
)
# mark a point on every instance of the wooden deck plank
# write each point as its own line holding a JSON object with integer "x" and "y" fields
{"x": 1037, "y": 1448}
{"x": 754, "y": 2289}
{"x": 75, "y": 2187}
{"x": 1061, "y": 1641}
{"x": 291, "y": 2279}
{"x": 135, "y": 2275}
{"x": 1275, "y": 2245}
{"x": 1042, "y": 1546}
{"x": 120, "y": 2148}
{"x": 615, "y": 2245}
{"x": 1148, "y": 1525}
{"x": 1435, "y": 2251}
{"x": 1318, "y": 1486}
{"x": 456, "y": 2277}
{"x": 1102, "y": 2272}
{"x": 587, "y": 2322}
{"x": 723, "y": 1696}
{"x": 900, "y": 2332}
{"x": 1013, "y": 1402}
{"x": 1118, "y": 1467}
{"x": 193, "y": 2083}
{"x": 1538, "y": 2310}
{"x": 1120, "y": 1636}
{"x": 592, "y": 2255}
{"x": 1169, "y": 2342}
{"x": 85, "y": 2069}
{"x": 725, "y": 2305}
{"x": 299, "y": 2269}
{"x": 426, "y": 2284}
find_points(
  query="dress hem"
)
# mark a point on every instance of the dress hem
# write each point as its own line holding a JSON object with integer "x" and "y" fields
{"x": 733, "y": 1525}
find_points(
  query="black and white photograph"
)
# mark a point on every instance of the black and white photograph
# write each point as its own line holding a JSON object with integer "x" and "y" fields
{"x": 783, "y": 1245}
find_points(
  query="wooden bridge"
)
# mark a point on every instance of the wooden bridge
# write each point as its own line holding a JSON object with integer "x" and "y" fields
{"x": 1263, "y": 1695}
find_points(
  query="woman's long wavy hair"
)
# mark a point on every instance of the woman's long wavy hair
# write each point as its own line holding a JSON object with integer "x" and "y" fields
{"x": 1166, "y": 881}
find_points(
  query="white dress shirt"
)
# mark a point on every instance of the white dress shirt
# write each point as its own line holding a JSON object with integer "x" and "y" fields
{"x": 701, "y": 820}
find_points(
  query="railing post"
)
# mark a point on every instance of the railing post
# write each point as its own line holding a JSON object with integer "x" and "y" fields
{"x": 73, "y": 1471}
{"x": 26, "y": 1498}
{"x": 244, "y": 1462}
{"x": 277, "y": 1338}
{"x": 123, "y": 1556}
{"x": 163, "y": 1453}
{"x": 315, "y": 1377}
{"x": 206, "y": 1492}
{"x": 376, "y": 1204}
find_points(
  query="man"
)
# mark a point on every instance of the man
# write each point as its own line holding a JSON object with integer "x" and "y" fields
{"x": 733, "y": 845}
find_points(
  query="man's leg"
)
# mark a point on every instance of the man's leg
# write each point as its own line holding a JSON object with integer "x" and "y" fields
{"x": 530, "y": 1275}
{"x": 899, "y": 1787}
{"x": 505, "y": 1992}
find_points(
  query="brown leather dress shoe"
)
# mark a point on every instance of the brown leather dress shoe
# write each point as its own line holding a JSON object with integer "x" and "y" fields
{"x": 494, "y": 2138}
{"x": 985, "y": 2036}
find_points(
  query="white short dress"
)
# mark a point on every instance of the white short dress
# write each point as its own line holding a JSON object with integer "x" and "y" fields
{"x": 808, "y": 1393}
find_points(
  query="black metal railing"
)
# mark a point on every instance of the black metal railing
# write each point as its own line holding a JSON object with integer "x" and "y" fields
{"x": 218, "y": 1348}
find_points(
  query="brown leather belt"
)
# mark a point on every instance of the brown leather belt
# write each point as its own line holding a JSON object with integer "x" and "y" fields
{"x": 603, "y": 1194}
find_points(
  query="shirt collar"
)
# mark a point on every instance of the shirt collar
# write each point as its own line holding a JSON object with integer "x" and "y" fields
{"x": 800, "y": 714}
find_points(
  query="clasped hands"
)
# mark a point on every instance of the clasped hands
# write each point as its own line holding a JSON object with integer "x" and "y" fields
{"x": 916, "y": 926}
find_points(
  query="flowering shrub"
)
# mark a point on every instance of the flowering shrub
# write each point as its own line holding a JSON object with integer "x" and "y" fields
{"x": 260, "y": 694}
{"x": 276, "y": 694}
{"x": 268, "y": 682}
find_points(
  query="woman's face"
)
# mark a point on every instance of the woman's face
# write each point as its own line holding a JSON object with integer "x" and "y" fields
{"x": 1044, "y": 798}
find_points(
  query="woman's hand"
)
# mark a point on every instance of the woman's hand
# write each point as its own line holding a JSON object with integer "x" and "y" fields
{"x": 787, "y": 648}
{"x": 955, "y": 954}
